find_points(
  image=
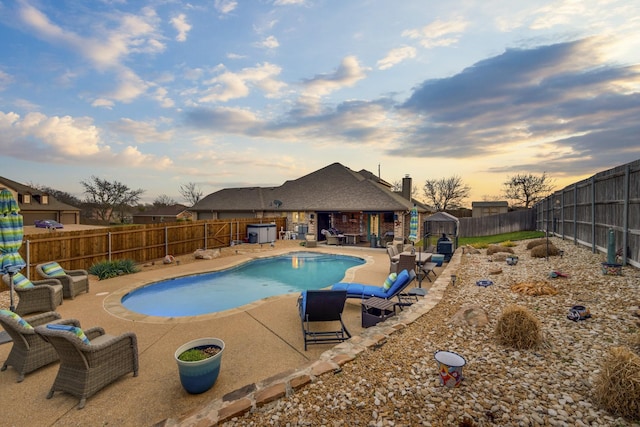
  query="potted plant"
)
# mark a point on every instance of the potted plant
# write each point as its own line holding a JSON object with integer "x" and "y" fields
{"x": 199, "y": 363}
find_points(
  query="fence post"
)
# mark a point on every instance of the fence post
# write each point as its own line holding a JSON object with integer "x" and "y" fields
{"x": 593, "y": 214}
{"x": 575, "y": 214}
{"x": 109, "y": 245}
{"x": 166, "y": 241}
{"x": 206, "y": 231}
{"x": 625, "y": 215}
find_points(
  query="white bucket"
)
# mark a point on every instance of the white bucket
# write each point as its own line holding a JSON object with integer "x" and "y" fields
{"x": 450, "y": 367}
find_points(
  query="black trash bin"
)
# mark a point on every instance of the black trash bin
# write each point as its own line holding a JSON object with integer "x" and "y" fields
{"x": 253, "y": 237}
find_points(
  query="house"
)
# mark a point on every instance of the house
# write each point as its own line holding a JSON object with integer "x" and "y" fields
{"x": 35, "y": 204}
{"x": 358, "y": 204}
{"x": 172, "y": 213}
{"x": 480, "y": 209}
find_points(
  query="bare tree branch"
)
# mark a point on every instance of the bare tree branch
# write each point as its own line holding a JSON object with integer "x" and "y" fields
{"x": 191, "y": 193}
{"x": 446, "y": 193}
{"x": 527, "y": 189}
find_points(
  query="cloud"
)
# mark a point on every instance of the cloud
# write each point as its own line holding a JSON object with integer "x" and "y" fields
{"x": 288, "y": 2}
{"x": 561, "y": 99}
{"x": 396, "y": 56}
{"x": 108, "y": 49}
{"x": 438, "y": 33}
{"x": 229, "y": 85}
{"x": 223, "y": 120}
{"x": 65, "y": 140}
{"x": 141, "y": 131}
{"x": 182, "y": 26}
{"x": 347, "y": 74}
{"x": 225, "y": 6}
{"x": 269, "y": 43}
{"x": 5, "y": 80}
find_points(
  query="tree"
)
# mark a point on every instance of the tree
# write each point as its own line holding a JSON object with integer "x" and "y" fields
{"x": 163, "y": 200}
{"x": 107, "y": 198}
{"x": 191, "y": 193}
{"x": 527, "y": 189}
{"x": 446, "y": 193}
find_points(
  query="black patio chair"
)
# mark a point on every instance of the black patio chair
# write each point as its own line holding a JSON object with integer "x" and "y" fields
{"x": 320, "y": 313}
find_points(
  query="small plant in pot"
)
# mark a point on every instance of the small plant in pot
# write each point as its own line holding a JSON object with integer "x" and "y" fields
{"x": 199, "y": 363}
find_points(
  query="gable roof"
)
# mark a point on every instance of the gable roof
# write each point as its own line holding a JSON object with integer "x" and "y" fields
{"x": 35, "y": 205}
{"x": 332, "y": 188}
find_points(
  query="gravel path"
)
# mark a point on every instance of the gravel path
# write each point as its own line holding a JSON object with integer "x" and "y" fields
{"x": 397, "y": 384}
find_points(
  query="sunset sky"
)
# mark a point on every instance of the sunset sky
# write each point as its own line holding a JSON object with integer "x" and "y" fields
{"x": 224, "y": 93}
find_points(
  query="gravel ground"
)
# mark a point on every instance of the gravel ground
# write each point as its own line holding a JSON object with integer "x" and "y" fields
{"x": 397, "y": 384}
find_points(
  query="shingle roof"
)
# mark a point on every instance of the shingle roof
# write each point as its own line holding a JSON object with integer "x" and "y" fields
{"x": 53, "y": 205}
{"x": 332, "y": 188}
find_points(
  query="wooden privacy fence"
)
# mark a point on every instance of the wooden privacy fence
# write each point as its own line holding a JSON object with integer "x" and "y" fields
{"x": 586, "y": 210}
{"x": 140, "y": 243}
{"x": 508, "y": 222}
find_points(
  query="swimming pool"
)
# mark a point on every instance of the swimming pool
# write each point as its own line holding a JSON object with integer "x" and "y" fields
{"x": 235, "y": 287}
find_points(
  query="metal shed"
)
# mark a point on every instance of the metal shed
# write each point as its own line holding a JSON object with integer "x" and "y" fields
{"x": 438, "y": 224}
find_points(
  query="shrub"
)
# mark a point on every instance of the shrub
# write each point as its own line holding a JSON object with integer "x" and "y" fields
{"x": 540, "y": 251}
{"x": 479, "y": 245}
{"x": 493, "y": 249}
{"x": 508, "y": 244}
{"x": 109, "y": 269}
{"x": 518, "y": 328}
{"x": 617, "y": 388}
{"x": 532, "y": 244}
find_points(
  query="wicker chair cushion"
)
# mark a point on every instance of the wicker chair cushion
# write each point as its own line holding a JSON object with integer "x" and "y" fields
{"x": 73, "y": 329}
{"x": 53, "y": 269}
{"x": 21, "y": 282}
{"x": 17, "y": 318}
{"x": 389, "y": 281}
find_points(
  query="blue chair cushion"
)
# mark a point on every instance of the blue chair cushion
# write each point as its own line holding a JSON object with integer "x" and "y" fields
{"x": 53, "y": 269}
{"x": 73, "y": 329}
{"x": 358, "y": 290}
{"x": 21, "y": 282}
{"x": 402, "y": 280}
{"x": 17, "y": 318}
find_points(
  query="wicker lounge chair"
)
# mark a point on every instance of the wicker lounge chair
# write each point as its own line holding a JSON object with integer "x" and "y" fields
{"x": 73, "y": 281}
{"x": 44, "y": 295}
{"x": 30, "y": 351}
{"x": 86, "y": 368}
{"x": 322, "y": 306}
{"x": 332, "y": 237}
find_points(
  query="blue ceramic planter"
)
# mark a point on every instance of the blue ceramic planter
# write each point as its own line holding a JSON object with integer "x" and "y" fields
{"x": 198, "y": 377}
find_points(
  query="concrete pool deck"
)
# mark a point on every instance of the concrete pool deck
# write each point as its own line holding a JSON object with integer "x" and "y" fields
{"x": 263, "y": 340}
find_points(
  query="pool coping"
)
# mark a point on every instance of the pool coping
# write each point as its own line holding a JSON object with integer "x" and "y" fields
{"x": 113, "y": 302}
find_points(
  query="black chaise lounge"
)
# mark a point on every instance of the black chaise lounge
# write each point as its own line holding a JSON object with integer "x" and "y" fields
{"x": 320, "y": 312}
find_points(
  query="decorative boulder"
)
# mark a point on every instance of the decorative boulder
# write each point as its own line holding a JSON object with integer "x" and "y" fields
{"x": 472, "y": 315}
{"x": 206, "y": 253}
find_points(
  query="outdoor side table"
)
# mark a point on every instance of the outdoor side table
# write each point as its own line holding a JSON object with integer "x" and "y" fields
{"x": 376, "y": 310}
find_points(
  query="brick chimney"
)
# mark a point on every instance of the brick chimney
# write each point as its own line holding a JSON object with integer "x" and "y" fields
{"x": 406, "y": 187}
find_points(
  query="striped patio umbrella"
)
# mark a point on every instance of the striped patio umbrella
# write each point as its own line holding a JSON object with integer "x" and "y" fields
{"x": 413, "y": 224}
{"x": 11, "y": 232}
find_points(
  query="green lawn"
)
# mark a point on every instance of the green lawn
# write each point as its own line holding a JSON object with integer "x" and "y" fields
{"x": 484, "y": 241}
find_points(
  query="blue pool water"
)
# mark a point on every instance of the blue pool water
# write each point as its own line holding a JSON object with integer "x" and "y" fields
{"x": 248, "y": 282}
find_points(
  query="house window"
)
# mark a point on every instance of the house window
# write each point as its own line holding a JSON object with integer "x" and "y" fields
{"x": 44, "y": 199}
{"x": 26, "y": 198}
